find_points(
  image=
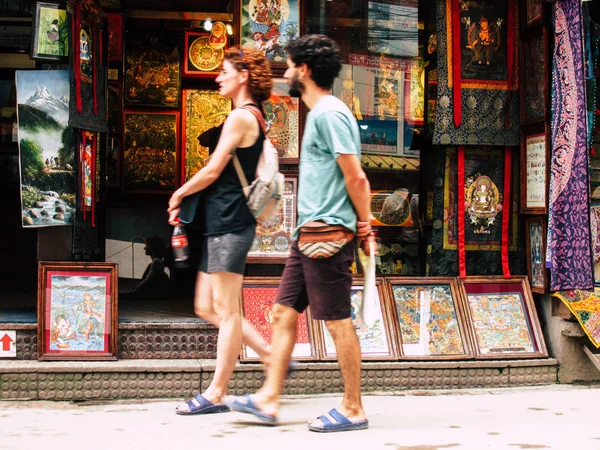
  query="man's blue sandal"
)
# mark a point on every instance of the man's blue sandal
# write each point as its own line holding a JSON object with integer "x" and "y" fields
{"x": 200, "y": 405}
{"x": 339, "y": 423}
{"x": 244, "y": 404}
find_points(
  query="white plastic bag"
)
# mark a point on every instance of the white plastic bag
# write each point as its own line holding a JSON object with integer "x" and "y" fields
{"x": 370, "y": 309}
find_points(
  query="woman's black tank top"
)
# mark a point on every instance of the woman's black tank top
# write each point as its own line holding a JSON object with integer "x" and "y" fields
{"x": 225, "y": 208}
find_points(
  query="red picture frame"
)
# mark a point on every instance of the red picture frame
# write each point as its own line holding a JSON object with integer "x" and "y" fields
{"x": 193, "y": 65}
{"x": 77, "y": 311}
{"x": 257, "y": 298}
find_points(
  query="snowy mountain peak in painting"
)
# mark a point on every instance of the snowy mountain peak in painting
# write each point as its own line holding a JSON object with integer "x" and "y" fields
{"x": 42, "y": 99}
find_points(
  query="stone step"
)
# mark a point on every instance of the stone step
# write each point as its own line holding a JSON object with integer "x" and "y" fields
{"x": 139, "y": 340}
{"x": 178, "y": 378}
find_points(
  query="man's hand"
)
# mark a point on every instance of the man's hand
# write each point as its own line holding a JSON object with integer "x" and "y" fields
{"x": 175, "y": 201}
{"x": 363, "y": 229}
{"x": 365, "y": 244}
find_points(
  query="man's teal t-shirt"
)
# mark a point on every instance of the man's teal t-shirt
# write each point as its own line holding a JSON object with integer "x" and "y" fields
{"x": 331, "y": 130}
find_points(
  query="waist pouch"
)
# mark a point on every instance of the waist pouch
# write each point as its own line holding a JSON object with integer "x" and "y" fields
{"x": 319, "y": 242}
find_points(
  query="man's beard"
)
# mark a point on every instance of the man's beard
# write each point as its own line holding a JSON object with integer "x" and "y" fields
{"x": 296, "y": 87}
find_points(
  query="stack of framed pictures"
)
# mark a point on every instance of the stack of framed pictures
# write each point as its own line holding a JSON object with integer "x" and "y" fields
{"x": 535, "y": 138}
{"x": 417, "y": 319}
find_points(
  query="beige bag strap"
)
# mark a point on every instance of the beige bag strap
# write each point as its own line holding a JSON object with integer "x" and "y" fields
{"x": 240, "y": 171}
{"x": 236, "y": 162}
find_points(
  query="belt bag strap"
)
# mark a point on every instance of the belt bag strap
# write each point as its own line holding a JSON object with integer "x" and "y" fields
{"x": 319, "y": 242}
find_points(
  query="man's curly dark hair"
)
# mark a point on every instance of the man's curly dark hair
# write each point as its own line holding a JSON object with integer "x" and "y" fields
{"x": 321, "y": 55}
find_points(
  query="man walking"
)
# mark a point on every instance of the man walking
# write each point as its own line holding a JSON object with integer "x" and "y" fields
{"x": 333, "y": 190}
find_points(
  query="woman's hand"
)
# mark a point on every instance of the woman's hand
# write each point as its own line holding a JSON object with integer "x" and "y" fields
{"x": 175, "y": 201}
{"x": 174, "y": 216}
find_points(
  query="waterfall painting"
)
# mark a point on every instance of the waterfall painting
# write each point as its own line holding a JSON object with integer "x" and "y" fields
{"x": 46, "y": 148}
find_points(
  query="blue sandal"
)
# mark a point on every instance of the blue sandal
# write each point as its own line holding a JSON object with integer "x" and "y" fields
{"x": 200, "y": 405}
{"x": 244, "y": 404}
{"x": 339, "y": 423}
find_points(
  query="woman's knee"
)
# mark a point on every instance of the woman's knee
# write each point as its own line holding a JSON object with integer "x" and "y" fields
{"x": 205, "y": 312}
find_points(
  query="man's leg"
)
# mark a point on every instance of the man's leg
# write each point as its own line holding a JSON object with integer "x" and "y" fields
{"x": 291, "y": 298}
{"x": 285, "y": 320}
{"x": 349, "y": 358}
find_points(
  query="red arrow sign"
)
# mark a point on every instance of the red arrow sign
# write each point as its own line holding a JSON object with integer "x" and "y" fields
{"x": 6, "y": 340}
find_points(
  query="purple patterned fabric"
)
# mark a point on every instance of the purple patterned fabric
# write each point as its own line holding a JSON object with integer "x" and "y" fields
{"x": 569, "y": 253}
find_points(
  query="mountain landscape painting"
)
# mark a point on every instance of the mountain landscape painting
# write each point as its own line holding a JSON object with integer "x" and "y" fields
{"x": 46, "y": 148}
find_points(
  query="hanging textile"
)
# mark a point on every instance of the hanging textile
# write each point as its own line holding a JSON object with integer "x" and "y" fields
{"x": 89, "y": 63}
{"x": 88, "y": 151}
{"x": 585, "y": 306}
{"x": 569, "y": 255}
{"x": 477, "y": 73}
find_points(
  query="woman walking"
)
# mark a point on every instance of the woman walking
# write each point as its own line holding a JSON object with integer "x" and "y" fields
{"x": 229, "y": 226}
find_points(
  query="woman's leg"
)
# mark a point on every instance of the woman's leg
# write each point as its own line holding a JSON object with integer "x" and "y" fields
{"x": 226, "y": 289}
{"x": 203, "y": 307}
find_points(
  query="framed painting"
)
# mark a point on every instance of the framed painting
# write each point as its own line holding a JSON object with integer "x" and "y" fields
{"x": 203, "y": 52}
{"x": 150, "y": 151}
{"x": 502, "y": 318}
{"x": 535, "y": 173}
{"x": 273, "y": 239}
{"x": 535, "y": 237}
{"x": 428, "y": 316}
{"x": 534, "y": 69}
{"x": 376, "y": 341}
{"x": 152, "y": 69}
{"x": 77, "y": 311}
{"x": 113, "y": 160}
{"x": 391, "y": 208}
{"x": 115, "y": 112}
{"x": 203, "y": 112}
{"x": 282, "y": 114}
{"x": 533, "y": 12}
{"x": 50, "y": 32}
{"x": 269, "y": 26}
{"x": 115, "y": 37}
{"x": 258, "y": 298}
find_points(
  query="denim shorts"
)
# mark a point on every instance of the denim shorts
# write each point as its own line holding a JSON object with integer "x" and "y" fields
{"x": 226, "y": 252}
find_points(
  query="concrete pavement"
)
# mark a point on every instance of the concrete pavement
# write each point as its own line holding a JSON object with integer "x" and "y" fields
{"x": 552, "y": 417}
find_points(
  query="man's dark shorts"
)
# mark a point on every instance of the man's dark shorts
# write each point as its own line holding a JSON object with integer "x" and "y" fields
{"x": 324, "y": 284}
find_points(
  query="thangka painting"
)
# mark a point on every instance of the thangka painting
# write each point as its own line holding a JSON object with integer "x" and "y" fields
{"x": 50, "y": 39}
{"x": 282, "y": 117}
{"x": 77, "y": 311}
{"x": 269, "y": 25}
{"x": 483, "y": 196}
{"x": 430, "y": 318}
{"x": 503, "y": 317}
{"x": 483, "y": 250}
{"x": 204, "y": 110}
{"x": 150, "y": 152}
{"x": 46, "y": 148}
{"x": 258, "y": 298}
{"x": 89, "y": 65}
{"x": 152, "y": 66}
{"x": 273, "y": 239}
{"x": 478, "y": 101}
{"x": 203, "y": 52}
{"x": 376, "y": 341}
